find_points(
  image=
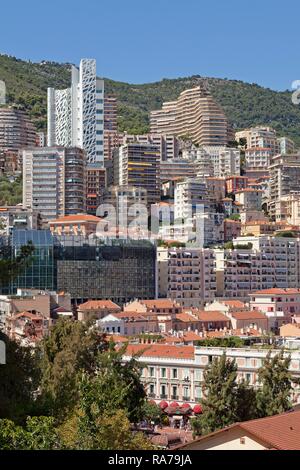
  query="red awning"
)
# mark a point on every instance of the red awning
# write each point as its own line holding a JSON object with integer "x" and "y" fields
{"x": 197, "y": 409}
{"x": 163, "y": 404}
{"x": 185, "y": 406}
{"x": 174, "y": 404}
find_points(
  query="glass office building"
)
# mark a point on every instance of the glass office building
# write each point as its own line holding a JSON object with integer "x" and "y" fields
{"x": 40, "y": 274}
{"x": 115, "y": 269}
{"x": 119, "y": 270}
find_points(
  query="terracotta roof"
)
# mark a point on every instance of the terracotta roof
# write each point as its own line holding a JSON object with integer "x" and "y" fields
{"x": 251, "y": 315}
{"x": 76, "y": 218}
{"x": 132, "y": 315}
{"x": 98, "y": 304}
{"x": 233, "y": 303}
{"x": 161, "y": 350}
{"x": 281, "y": 432}
{"x": 186, "y": 317}
{"x": 276, "y": 291}
{"x": 212, "y": 315}
{"x": 158, "y": 303}
{"x": 31, "y": 316}
{"x": 117, "y": 338}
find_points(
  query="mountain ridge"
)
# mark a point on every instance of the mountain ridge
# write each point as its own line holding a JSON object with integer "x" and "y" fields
{"x": 245, "y": 104}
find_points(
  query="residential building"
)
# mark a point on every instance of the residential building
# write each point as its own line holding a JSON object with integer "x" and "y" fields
{"x": 75, "y": 115}
{"x": 284, "y": 179}
{"x": 80, "y": 224}
{"x": 257, "y": 263}
{"x": 138, "y": 165}
{"x": 194, "y": 114}
{"x": 226, "y": 161}
{"x": 191, "y": 275}
{"x": 16, "y": 129}
{"x": 260, "y": 136}
{"x": 173, "y": 372}
{"x": 251, "y": 199}
{"x": 54, "y": 181}
{"x": 96, "y": 182}
{"x": 232, "y": 229}
{"x": 275, "y": 300}
{"x": 96, "y": 310}
{"x": 288, "y": 208}
{"x": 168, "y": 144}
{"x": 17, "y": 217}
{"x": 278, "y": 432}
{"x": 249, "y": 319}
{"x": 235, "y": 183}
{"x": 257, "y": 161}
{"x": 177, "y": 169}
{"x": 285, "y": 145}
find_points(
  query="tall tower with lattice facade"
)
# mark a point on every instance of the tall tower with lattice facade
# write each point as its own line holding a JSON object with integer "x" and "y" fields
{"x": 75, "y": 115}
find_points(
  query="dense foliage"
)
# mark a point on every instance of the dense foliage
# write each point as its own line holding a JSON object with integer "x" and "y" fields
{"x": 10, "y": 191}
{"x": 245, "y": 104}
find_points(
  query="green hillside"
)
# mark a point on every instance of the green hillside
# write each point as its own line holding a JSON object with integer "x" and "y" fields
{"x": 245, "y": 104}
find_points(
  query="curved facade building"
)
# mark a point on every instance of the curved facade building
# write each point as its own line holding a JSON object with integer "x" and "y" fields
{"x": 16, "y": 129}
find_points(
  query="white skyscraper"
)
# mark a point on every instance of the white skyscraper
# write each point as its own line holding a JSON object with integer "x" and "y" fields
{"x": 75, "y": 115}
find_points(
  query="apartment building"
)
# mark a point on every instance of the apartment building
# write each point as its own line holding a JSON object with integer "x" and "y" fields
{"x": 176, "y": 372}
{"x": 96, "y": 183}
{"x": 75, "y": 115}
{"x": 284, "y": 178}
{"x": 16, "y": 129}
{"x": 138, "y": 165}
{"x": 194, "y": 114}
{"x": 17, "y": 217}
{"x": 80, "y": 224}
{"x": 226, "y": 161}
{"x": 261, "y": 136}
{"x": 277, "y": 300}
{"x": 235, "y": 183}
{"x": 288, "y": 207}
{"x": 285, "y": 145}
{"x": 249, "y": 198}
{"x": 54, "y": 181}
{"x": 257, "y": 160}
{"x": 191, "y": 195}
{"x": 202, "y": 160}
{"x": 96, "y": 309}
{"x": 177, "y": 169}
{"x": 168, "y": 144}
{"x": 257, "y": 263}
{"x": 191, "y": 277}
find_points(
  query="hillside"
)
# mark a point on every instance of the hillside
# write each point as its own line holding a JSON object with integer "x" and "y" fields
{"x": 245, "y": 104}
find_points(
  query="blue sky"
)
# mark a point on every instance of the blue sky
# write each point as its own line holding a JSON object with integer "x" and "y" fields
{"x": 143, "y": 41}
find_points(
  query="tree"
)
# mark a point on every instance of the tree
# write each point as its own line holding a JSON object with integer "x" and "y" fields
{"x": 69, "y": 351}
{"x": 219, "y": 404}
{"x": 112, "y": 431}
{"x": 225, "y": 400}
{"x": 18, "y": 380}
{"x": 274, "y": 394}
{"x": 39, "y": 433}
{"x": 229, "y": 342}
{"x": 11, "y": 268}
{"x": 116, "y": 385}
{"x": 151, "y": 412}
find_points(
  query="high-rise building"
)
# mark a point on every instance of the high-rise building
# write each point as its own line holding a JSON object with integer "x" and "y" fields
{"x": 138, "y": 165}
{"x": 54, "y": 181}
{"x": 16, "y": 129}
{"x": 225, "y": 160}
{"x": 284, "y": 178}
{"x": 263, "y": 137}
{"x": 194, "y": 115}
{"x": 95, "y": 186}
{"x": 110, "y": 113}
{"x": 76, "y": 114}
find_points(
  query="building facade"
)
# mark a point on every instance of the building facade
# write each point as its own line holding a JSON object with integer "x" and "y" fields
{"x": 76, "y": 114}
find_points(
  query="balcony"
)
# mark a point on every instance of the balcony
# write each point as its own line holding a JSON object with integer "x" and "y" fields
{"x": 163, "y": 396}
{"x": 174, "y": 397}
{"x": 151, "y": 395}
{"x": 186, "y": 398}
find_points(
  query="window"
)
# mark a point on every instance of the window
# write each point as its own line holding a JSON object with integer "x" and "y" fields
{"x": 163, "y": 372}
{"x": 152, "y": 389}
{"x": 174, "y": 373}
{"x": 151, "y": 371}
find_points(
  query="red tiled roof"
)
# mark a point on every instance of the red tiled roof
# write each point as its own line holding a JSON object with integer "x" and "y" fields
{"x": 161, "y": 350}
{"x": 98, "y": 304}
{"x": 276, "y": 291}
{"x": 281, "y": 432}
{"x": 30, "y": 315}
{"x": 248, "y": 315}
{"x": 213, "y": 315}
{"x": 233, "y": 303}
{"x": 158, "y": 303}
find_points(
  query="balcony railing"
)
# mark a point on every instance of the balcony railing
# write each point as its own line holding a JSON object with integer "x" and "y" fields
{"x": 163, "y": 396}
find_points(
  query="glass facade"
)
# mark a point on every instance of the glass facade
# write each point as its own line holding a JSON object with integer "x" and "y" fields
{"x": 41, "y": 272}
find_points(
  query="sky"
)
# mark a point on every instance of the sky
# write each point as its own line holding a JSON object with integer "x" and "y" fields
{"x": 141, "y": 41}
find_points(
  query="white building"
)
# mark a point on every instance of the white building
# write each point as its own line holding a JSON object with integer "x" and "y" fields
{"x": 226, "y": 161}
{"x": 186, "y": 275}
{"x": 75, "y": 115}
